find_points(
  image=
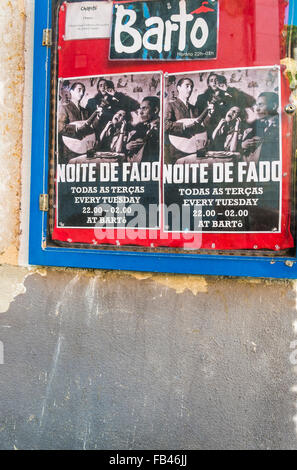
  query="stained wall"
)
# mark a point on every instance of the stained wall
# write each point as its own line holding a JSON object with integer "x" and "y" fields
{"x": 110, "y": 360}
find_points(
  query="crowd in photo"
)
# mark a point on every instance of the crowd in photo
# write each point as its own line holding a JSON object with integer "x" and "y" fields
{"x": 222, "y": 121}
{"x": 111, "y": 125}
{"x": 217, "y": 116}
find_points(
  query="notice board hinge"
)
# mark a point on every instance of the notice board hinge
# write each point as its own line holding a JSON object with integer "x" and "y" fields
{"x": 47, "y": 37}
{"x": 43, "y": 202}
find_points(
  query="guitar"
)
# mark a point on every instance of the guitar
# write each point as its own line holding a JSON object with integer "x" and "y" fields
{"x": 189, "y": 145}
{"x": 86, "y": 143}
{"x": 198, "y": 141}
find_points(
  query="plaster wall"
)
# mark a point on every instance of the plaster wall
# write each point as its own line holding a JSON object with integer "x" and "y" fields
{"x": 12, "y": 28}
{"x": 107, "y": 360}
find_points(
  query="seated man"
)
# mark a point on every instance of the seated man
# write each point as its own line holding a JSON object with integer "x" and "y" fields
{"x": 72, "y": 122}
{"x": 144, "y": 140}
{"x": 182, "y": 121}
{"x": 180, "y": 109}
{"x": 262, "y": 142}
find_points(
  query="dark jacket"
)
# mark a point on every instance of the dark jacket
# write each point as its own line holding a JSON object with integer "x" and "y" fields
{"x": 150, "y": 151}
{"x": 175, "y": 111}
{"x": 68, "y": 114}
{"x": 269, "y": 133}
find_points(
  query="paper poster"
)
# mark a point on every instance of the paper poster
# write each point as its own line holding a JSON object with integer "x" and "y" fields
{"x": 216, "y": 172}
{"x": 88, "y": 20}
{"x": 223, "y": 158}
{"x": 109, "y": 150}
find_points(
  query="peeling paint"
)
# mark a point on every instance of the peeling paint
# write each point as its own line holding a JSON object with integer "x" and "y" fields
{"x": 11, "y": 285}
{"x": 39, "y": 270}
{"x": 178, "y": 282}
{"x": 12, "y": 280}
{"x": 9, "y": 256}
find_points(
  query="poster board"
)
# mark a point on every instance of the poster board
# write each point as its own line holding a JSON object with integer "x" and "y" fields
{"x": 237, "y": 200}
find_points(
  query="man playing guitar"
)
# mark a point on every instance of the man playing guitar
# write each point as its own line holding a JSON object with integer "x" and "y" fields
{"x": 182, "y": 121}
{"x": 73, "y": 121}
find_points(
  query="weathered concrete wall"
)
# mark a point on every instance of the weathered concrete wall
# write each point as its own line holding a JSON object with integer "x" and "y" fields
{"x": 128, "y": 360}
{"x": 102, "y": 360}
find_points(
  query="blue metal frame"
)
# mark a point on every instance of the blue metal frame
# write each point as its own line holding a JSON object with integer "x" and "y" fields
{"x": 138, "y": 261}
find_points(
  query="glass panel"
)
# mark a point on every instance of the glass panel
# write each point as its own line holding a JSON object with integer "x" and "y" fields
{"x": 172, "y": 126}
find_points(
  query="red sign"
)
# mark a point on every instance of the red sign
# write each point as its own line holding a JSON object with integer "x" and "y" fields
{"x": 186, "y": 154}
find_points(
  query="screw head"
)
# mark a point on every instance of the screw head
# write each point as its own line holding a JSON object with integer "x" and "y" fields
{"x": 290, "y": 108}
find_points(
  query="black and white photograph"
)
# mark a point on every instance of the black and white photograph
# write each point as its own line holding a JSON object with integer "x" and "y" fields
{"x": 226, "y": 122}
{"x": 112, "y": 118}
{"x": 107, "y": 125}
